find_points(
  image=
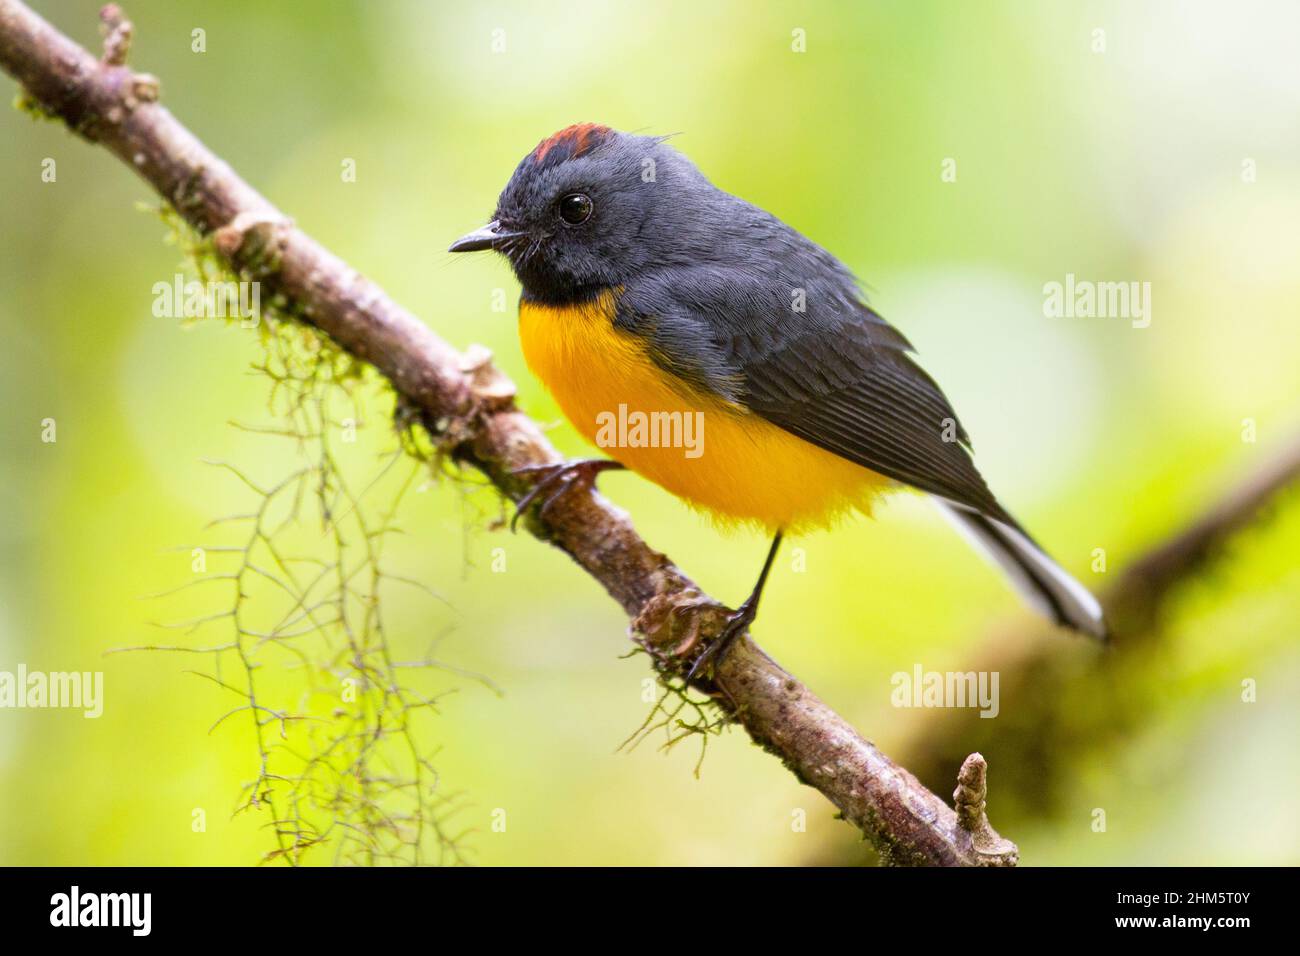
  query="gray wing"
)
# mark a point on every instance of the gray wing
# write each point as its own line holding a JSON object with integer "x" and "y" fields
{"x": 835, "y": 374}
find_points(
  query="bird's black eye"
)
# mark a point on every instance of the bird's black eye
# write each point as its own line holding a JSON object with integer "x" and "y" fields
{"x": 575, "y": 208}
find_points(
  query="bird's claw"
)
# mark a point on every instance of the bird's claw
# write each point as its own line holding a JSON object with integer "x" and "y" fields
{"x": 554, "y": 478}
{"x": 712, "y": 655}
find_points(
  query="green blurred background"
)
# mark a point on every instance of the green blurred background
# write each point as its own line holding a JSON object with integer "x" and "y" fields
{"x": 1124, "y": 164}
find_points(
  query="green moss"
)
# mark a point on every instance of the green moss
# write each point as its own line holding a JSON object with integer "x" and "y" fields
{"x": 260, "y": 253}
{"x": 24, "y": 102}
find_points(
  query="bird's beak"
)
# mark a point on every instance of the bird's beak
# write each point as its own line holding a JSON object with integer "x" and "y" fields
{"x": 485, "y": 238}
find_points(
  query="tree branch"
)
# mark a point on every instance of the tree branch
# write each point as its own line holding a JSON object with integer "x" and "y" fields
{"x": 468, "y": 408}
{"x": 1144, "y": 584}
{"x": 1046, "y": 684}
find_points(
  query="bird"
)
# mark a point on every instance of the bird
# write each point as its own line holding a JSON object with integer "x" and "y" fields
{"x": 703, "y": 343}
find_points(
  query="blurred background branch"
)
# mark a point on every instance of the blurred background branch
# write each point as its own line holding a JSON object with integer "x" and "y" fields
{"x": 1051, "y": 687}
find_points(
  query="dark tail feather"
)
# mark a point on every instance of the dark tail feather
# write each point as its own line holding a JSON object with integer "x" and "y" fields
{"x": 1038, "y": 579}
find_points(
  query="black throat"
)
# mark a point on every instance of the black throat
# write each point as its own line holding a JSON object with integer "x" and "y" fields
{"x": 551, "y": 290}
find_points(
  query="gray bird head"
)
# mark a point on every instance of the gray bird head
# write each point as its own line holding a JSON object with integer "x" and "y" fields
{"x": 590, "y": 208}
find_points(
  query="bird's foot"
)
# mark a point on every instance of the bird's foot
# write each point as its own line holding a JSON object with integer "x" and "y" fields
{"x": 711, "y": 656}
{"x": 554, "y": 479}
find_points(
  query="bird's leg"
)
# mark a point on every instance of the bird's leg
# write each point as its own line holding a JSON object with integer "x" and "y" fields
{"x": 554, "y": 479}
{"x": 738, "y": 622}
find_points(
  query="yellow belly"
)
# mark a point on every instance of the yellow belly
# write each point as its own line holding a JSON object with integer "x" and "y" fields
{"x": 717, "y": 456}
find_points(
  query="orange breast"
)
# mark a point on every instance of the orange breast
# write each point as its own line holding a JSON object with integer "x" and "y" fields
{"x": 717, "y": 456}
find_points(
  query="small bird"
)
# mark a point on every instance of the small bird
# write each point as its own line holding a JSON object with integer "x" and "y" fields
{"x": 716, "y": 351}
